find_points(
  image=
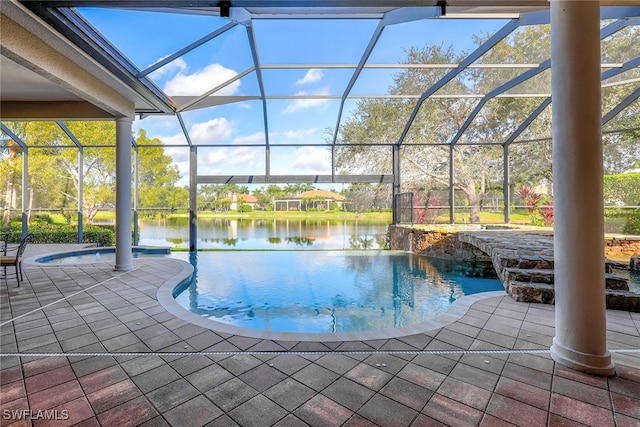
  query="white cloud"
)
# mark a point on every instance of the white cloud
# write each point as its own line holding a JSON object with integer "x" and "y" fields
{"x": 313, "y": 160}
{"x": 305, "y": 104}
{"x": 201, "y": 81}
{"x": 174, "y": 67}
{"x": 313, "y": 76}
{"x": 176, "y": 139}
{"x": 179, "y": 155}
{"x": 245, "y": 156}
{"x": 214, "y": 130}
{"x": 299, "y": 134}
{"x": 255, "y": 138}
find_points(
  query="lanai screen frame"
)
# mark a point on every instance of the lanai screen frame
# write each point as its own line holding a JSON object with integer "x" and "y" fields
{"x": 63, "y": 17}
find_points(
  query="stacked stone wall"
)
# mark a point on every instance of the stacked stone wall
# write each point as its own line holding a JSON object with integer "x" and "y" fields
{"x": 523, "y": 260}
{"x": 621, "y": 247}
{"x": 434, "y": 243}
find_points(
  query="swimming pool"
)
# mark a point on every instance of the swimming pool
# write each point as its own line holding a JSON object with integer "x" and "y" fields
{"x": 324, "y": 291}
{"x": 92, "y": 255}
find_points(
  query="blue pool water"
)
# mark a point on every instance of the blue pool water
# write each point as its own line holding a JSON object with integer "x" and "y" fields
{"x": 315, "y": 291}
{"x": 324, "y": 291}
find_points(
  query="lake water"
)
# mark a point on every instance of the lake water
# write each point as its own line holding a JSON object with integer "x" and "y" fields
{"x": 271, "y": 234}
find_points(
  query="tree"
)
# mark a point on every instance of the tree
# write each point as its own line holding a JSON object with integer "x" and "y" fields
{"x": 99, "y": 180}
{"x": 425, "y": 155}
{"x": 622, "y": 189}
{"x": 211, "y": 194}
{"x": 621, "y": 149}
{"x": 268, "y": 196}
{"x": 47, "y": 179}
{"x": 54, "y": 173}
{"x": 478, "y": 153}
{"x": 157, "y": 175}
{"x": 365, "y": 196}
{"x": 9, "y": 170}
{"x": 297, "y": 189}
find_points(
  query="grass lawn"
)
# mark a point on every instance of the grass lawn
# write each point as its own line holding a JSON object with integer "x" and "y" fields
{"x": 338, "y": 215}
{"x": 460, "y": 217}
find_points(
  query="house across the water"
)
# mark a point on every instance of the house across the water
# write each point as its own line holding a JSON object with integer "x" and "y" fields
{"x": 236, "y": 200}
{"x": 314, "y": 199}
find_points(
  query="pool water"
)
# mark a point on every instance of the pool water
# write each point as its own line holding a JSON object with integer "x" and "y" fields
{"x": 89, "y": 256}
{"x": 324, "y": 291}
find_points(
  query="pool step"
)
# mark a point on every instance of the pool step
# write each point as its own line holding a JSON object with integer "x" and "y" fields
{"x": 524, "y": 275}
{"x": 524, "y": 262}
{"x": 538, "y": 285}
{"x": 531, "y": 292}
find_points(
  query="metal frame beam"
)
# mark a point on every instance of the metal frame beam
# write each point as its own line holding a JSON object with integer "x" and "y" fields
{"x": 256, "y": 63}
{"x": 75, "y": 28}
{"x": 604, "y": 33}
{"x": 186, "y": 49}
{"x": 481, "y": 50}
{"x": 634, "y": 96}
{"x": 500, "y": 89}
{"x": 25, "y": 175}
{"x": 295, "y": 179}
{"x": 78, "y": 144}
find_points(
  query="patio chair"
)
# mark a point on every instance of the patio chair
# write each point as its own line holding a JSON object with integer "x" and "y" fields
{"x": 4, "y": 243}
{"x": 16, "y": 260}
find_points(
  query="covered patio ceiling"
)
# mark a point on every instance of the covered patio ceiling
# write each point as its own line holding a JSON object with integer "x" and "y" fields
{"x": 108, "y": 84}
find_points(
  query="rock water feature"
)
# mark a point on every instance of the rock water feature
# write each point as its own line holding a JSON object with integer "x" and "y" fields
{"x": 523, "y": 259}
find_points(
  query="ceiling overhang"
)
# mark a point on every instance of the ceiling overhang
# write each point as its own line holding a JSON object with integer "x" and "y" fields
{"x": 40, "y": 66}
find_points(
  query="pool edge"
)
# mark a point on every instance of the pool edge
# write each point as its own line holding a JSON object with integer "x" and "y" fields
{"x": 457, "y": 309}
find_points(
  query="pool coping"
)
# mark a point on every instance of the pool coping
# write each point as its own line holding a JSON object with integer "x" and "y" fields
{"x": 41, "y": 259}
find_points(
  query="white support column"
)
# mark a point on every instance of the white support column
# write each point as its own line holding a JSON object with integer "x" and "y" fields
{"x": 123, "y": 194}
{"x": 580, "y": 340}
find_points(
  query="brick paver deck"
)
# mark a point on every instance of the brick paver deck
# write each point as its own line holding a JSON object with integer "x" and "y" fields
{"x": 137, "y": 363}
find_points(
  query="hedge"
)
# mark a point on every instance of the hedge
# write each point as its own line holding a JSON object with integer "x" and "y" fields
{"x": 622, "y": 188}
{"x": 62, "y": 233}
{"x": 632, "y": 226}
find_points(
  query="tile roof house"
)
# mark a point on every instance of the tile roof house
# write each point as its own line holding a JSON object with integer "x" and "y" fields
{"x": 236, "y": 200}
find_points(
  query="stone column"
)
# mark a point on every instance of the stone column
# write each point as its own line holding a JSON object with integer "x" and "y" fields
{"x": 580, "y": 340}
{"x": 123, "y": 194}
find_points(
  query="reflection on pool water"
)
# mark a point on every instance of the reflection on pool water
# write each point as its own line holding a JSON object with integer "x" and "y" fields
{"x": 324, "y": 291}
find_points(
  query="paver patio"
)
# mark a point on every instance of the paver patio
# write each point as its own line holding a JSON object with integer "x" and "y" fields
{"x": 136, "y": 363}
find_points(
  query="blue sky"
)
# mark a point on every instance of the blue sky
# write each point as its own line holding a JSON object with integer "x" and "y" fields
{"x": 147, "y": 37}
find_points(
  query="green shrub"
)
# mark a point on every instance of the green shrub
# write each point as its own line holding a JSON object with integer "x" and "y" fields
{"x": 632, "y": 226}
{"x": 43, "y": 219}
{"x": 44, "y": 232}
{"x": 631, "y": 219}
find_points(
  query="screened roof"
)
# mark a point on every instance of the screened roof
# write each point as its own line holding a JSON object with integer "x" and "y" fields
{"x": 289, "y": 73}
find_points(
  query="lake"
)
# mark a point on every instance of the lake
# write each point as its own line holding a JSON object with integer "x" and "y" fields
{"x": 266, "y": 234}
